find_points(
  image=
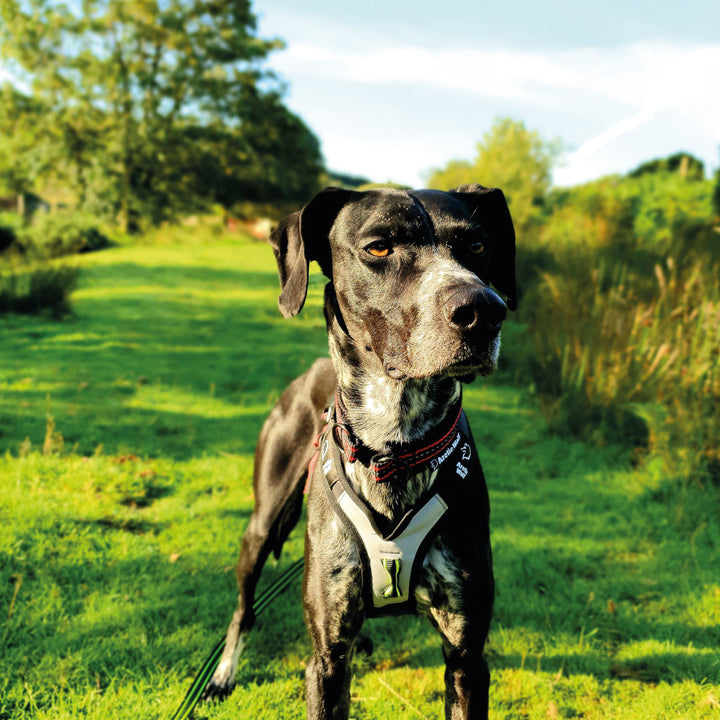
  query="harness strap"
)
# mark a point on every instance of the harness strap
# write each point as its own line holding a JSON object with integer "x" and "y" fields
{"x": 392, "y": 562}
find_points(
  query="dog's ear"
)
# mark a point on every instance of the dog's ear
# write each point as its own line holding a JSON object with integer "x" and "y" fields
{"x": 300, "y": 238}
{"x": 489, "y": 208}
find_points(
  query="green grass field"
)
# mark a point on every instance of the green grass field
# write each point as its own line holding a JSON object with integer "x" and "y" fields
{"x": 128, "y": 431}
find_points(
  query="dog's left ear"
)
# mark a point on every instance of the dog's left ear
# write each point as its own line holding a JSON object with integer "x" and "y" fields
{"x": 489, "y": 208}
{"x": 300, "y": 238}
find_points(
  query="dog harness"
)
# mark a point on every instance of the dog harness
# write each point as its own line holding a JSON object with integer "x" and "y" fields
{"x": 391, "y": 562}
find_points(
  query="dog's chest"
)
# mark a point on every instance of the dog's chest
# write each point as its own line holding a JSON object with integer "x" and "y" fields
{"x": 405, "y": 563}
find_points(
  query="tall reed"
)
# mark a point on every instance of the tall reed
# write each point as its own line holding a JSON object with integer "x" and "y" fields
{"x": 609, "y": 364}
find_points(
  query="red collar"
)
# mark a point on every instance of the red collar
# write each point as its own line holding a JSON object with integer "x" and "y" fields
{"x": 404, "y": 459}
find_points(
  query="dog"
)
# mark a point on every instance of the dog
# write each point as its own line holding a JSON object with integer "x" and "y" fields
{"x": 419, "y": 283}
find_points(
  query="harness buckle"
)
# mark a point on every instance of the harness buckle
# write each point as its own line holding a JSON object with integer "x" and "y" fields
{"x": 343, "y": 438}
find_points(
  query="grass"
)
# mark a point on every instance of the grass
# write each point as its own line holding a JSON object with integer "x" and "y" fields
{"x": 128, "y": 431}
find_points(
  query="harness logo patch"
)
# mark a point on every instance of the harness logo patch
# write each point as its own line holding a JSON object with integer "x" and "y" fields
{"x": 466, "y": 451}
{"x": 435, "y": 463}
{"x": 461, "y": 470}
{"x": 392, "y": 568}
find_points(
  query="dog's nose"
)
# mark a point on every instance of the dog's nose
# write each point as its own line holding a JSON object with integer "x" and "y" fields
{"x": 475, "y": 308}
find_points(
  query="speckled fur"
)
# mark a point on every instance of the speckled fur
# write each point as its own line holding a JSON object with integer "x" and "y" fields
{"x": 403, "y": 332}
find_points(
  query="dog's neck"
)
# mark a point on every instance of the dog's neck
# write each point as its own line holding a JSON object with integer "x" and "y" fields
{"x": 381, "y": 411}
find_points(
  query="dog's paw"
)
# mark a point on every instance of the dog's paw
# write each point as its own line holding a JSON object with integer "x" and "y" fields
{"x": 221, "y": 683}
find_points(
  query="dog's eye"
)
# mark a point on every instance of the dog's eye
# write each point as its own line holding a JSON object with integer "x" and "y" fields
{"x": 379, "y": 248}
{"x": 477, "y": 247}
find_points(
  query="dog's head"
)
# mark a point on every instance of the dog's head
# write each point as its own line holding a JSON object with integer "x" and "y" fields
{"x": 412, "y": 274}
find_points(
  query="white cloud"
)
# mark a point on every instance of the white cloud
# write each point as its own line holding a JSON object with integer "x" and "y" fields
{"x": 646, "y": 75}
{"x": 627, "y": 86}
{"x": 505, "y": 74}
{"x": 636, "y": 139}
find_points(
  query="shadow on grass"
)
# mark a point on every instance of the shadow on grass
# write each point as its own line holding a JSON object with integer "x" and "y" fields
{"x": 667, "y": 668}
{"x": 154, "y": 432}
{"x": 165, "y": 370}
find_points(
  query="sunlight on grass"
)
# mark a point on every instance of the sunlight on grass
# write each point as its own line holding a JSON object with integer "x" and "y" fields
{"x": 175, "y": 400}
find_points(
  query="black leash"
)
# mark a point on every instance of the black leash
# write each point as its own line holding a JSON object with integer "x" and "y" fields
{"x": 206, "y": 671}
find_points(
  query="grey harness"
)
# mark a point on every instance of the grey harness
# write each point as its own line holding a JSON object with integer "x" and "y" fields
{"x": 391, "y": 563}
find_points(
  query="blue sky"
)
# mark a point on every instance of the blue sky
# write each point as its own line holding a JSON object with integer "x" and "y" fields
{"x": 395, "y": 88}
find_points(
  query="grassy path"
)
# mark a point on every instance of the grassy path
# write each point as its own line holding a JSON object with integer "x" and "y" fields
{"x": 128, "y": 433}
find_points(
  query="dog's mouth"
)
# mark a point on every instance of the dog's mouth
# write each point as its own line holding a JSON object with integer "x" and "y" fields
{"x": 466, "y": 371}
{"x": 476, "y": 357}
{"x": 468, "y": 361}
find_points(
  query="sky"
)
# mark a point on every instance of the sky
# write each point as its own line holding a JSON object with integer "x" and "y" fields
{"x": 393, "y": 89}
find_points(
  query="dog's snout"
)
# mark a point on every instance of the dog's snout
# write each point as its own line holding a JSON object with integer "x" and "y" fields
{"x": 473, "y": 308}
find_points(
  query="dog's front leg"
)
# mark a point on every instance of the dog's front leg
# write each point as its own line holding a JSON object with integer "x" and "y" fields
{"x": 328, "y": 684}
{"x": 460, "y": 610}
{"x": 333, "y": 612}
{"x": 467, "y": 684}
{"x": 333, "y": 624}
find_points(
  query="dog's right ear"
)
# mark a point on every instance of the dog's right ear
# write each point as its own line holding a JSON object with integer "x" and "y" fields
{"x": 300, "y": 238}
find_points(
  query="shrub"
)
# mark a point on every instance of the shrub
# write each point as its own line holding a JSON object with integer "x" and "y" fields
{"x": 37, "y": 289}
{"x": 625, "y": 342}
{"x": 7, "y": 237}
{"x": 10, "y": 224}
{"x": 677, "y": 341}
{"x": 64, "y": 233}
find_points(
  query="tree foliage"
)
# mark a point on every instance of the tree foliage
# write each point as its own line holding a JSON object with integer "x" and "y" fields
{"x": 513, "y": 158}
{"x": 151, "y": 108}
{"x": 22, "y": 157}
{"x": 682, "y": 163}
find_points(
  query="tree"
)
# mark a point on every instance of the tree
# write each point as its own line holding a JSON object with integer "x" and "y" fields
{"x": 682, "y": 163}
{"x": 510, "y": 157}
{"x": 137, "y": 91}
{"x": 21, "y": 157}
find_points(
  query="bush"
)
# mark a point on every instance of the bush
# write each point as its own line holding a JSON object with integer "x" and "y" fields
{"x": 33, "y": 290}
{"x": 10, "y": 224}
{"x": 609, "y": 364}
{"x": 624, "y": 341}
{"x": 64, "y": 233}
{"x": 7, "y": 237}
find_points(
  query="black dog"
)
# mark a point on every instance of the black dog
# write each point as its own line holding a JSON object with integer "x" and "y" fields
{"x": 398, "y": 515}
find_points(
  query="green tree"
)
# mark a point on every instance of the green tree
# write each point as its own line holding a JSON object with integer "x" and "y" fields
{"x": 682, "y": 163}
{"x": 148, "y": 100}
{"x": 22, "y": 157}
{"x": 510, "y": 157}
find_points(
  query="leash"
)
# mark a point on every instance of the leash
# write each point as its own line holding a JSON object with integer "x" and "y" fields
{"x": 206, "y": 671}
